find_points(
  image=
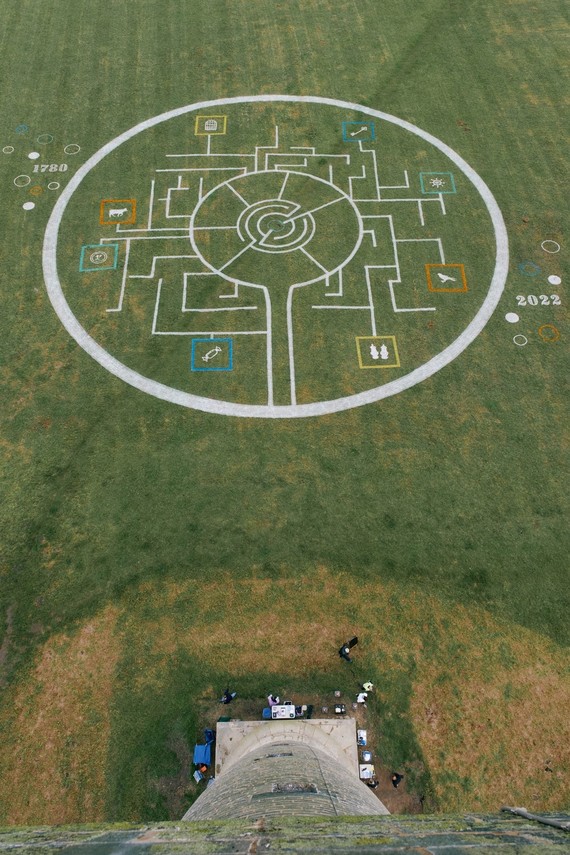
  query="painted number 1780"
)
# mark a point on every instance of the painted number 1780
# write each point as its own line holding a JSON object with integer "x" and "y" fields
{"x": 541, "y": 300}
{"x": 50, "y": 167}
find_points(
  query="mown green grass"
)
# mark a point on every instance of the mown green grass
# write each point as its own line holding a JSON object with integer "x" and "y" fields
{"x": 455, "y": 487}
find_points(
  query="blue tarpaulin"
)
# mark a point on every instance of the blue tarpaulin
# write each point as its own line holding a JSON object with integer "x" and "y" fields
{"x": 202, "y": 754}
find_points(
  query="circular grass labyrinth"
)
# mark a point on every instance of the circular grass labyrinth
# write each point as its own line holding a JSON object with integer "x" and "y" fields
{"x": 275, "y": 256}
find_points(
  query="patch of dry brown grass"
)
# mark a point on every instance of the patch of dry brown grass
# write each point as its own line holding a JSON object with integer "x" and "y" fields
{"x": 488, "y": 704}
{"x": 505, "y": 728}
{"x": 55, "y": 728}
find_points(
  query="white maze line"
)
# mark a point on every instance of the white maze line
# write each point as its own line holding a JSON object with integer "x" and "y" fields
{"x": 259, "y": 148}
{"x": 369, "y": 308}
{"x": 150, "y": 205}
{"x": 223, "y": 309}
{"x": 242, "y": 169}
{"x": 303, "y": 157}
{"x": 234, "y": 296}
{"x": 241, "y": 252}
{"x": 156, "y": 305}
{"x": 308, "y": 254}
{"x": 119, "y": 306}
{"x": 153, "y": 266}
{"x": 361, "y": 177}
{"x": 374, "y": 166}
{"x": 145, "y": 235}
{"x": 168, "y": 201}
{"x": 372, "y": 234}
{"x": 227, "y": 154}
{"x": 268, "y": 341}
{"x": 281, "y": 163}
{"x": 404, "y": 186}
{"x": 287, "y": 174}
{"x": 233, "y": 189}
{"x": 396, "y": 266}
{"x": 292, "y": 385}
{"x": 370, "y": 301}
{"x": 438, "y": 241}
{"x": 340, "y": 292}
{"x": 313, "y": 210}
{"x": 396, "y": 308}
{"x": 210, "y": 332}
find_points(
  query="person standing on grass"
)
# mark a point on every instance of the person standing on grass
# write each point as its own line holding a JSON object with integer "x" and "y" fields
{"x": 227, "y": 697}
{"x": 344, "y": 651}
{"x": 396, "y": 778}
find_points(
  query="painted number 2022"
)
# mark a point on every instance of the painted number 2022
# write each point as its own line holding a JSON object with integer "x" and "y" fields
{"x": 541, "y": 300}
{"x": 50, "y": 167}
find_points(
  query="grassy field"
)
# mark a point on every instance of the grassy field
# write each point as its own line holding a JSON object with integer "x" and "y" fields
{"x": 150, "y": 553}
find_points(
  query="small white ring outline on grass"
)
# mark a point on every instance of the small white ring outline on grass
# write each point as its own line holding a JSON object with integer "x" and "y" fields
{"x": 44, "y": 139}
{"x": 8, "y": 149}
{"x": 54, "y": 185}
{"x": 210, "y": 405}
{"x": 73, "y": 148}
{"x": 520, "y": 340}
{"x": 19, "y": 183}
{"x": 550, "y": 251}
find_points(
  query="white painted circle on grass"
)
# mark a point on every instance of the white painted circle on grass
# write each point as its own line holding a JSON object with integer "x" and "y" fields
{"x": 28, "y": 206}
{"x": 45, "y": 139}
{"x": 54, "y": 185}
{"x": 211, "y": 405}
{"x": 8, "y": 149}
{"x": 551, "y": 246}
{"x": 33, "y": 155}
{"x": 512, "y": 317}
{"x": 554, "y": 280}
{"x": 520, "y": 340}
{"x": 73, "y": 148}
{"x": 22, "y": 180}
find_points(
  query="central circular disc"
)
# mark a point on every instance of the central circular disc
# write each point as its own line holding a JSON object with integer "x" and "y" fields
{"x": 305, "y": 227}
{"x": 277, "y": 225}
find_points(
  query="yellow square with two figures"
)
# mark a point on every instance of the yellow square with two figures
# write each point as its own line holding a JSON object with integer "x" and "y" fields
{"x": 210, "y": 125}
{"x": 377, "y": 351}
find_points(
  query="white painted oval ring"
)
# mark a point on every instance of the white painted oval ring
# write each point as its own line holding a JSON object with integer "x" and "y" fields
{"x": 210, "y": 405}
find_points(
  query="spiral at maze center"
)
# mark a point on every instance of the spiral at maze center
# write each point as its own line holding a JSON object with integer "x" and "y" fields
{"x": 275, "y": 225}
